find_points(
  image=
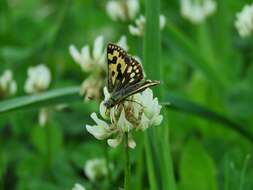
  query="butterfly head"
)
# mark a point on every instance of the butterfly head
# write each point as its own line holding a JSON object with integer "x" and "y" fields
{"x": 110, "y": 103}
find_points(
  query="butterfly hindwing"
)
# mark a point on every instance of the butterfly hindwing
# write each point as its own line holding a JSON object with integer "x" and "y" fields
{"x": 133, "y": 73}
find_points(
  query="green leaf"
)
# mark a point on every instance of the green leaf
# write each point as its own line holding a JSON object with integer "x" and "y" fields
{"x": 3, "y": 165}
{"x": 79, "y": 154}
{"x": 47, "y": 140}
{"x": 197, "y": 169}
{"x": 35, "y": 183}
{"x": 239, "y": 101}
{"x": 63, "y": 95}
{"x": 199, "y": 61}
{"x": 174, "y": 102}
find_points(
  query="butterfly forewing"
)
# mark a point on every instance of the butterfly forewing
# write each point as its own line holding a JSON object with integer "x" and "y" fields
{"x": 123, "y": 70}
{"x": 116, "y": 65}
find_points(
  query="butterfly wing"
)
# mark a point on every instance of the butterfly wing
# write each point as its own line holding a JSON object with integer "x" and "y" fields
{"x": 138, "y": 87}
{"x": 131, "y": 90}
{"x": 123, "y": 70}
{"x": 116, "y": 65}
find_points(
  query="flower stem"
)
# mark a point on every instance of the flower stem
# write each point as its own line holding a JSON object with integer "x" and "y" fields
{"x": 127, "y": 164}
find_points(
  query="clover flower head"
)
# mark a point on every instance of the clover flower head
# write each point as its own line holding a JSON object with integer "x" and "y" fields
{"x": 196, "y": 11}
{"x": 91, "y": 88}
{"x": 139, "y": 112}
{"x": 8, "y": 85}
{"x": 84, "y": 58}
{"x": 244, "y": 21}
{"x": 93, "y": 63}
{"x": 138, "y": 29}
{"x": 39, "y": 79}
{"x": 78, "y": 186}
{"x": 95, "y": 168}
{"x": 122, "y": 10}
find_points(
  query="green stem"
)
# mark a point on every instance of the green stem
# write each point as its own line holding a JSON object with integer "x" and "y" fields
{"x": 107, "y": 158}
{"x": 127, "y": 164}
{"x": 243, "y": 173}
{"x": 48, "y": 143}
{"x": 150, "y": 165}
{"x": 226, "y": 175}
{"x": 139, "y": 162}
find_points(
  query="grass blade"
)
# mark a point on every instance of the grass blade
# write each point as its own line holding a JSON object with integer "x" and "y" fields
{"x": 173, "y": 102}
{"x": 160, "y": 136}
{"x": 51, "y": 97}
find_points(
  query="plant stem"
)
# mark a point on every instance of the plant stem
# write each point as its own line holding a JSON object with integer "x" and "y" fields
{"x": 127, "y": 164}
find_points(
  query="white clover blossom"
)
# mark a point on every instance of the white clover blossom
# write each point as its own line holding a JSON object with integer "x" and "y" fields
{"x": 78, "y": 186}
{"x": 244, "y": 21}
{"x": 39, "y": 79}
{"x": 140, "y": 113}
{"x": 196, "y": 11}
{"x": 95, "y": 168}
{"x": 94, "y": 63}
{"x": 138, "y": 30}
{"x": 87, "y": 61}
{"x": 8, "y": 85}
{"x": 122, "y": 9}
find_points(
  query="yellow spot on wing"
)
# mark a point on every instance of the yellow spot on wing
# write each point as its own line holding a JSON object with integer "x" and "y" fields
{"x": 113, "y": 67}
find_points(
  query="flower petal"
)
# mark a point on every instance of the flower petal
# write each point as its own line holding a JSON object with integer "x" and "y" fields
{"x": 123, "y": 42}
{"x": 98, "y": 47}
{"x": 157, "y": 120}
{"x": 74, "y": 53}
{"x": 78, "y": 187}
{"x": 135, "y": 31}
{"x": 133, "y": 8}
{"x": 99, "y": 121}
{"x": 123, "y": 123}
{"x": 98, "y": 132}
{"x": 114, "y": 142}
{"x": 131, "y": 143}
{"x": 85, "y": 59}
{"x": 106, "y": 94}
{"x": 103, "y": 110}
{"x": 162, "y": 21}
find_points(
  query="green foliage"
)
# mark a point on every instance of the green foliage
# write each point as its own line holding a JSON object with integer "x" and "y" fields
{"x": 197, "y": 169}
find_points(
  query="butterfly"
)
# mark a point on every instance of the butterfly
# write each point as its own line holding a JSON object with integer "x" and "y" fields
{"x": 125, "y": 76}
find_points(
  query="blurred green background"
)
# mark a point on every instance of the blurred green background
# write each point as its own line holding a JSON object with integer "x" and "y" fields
{"x": 206, "y": 74}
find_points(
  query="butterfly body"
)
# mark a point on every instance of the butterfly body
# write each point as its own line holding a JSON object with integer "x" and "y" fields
{"x": 125, "y": 76}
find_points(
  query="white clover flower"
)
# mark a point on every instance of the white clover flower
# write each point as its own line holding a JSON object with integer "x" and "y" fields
{"x": 95, "y": 63}
{"x": 138, "y": 30}
{"x": 87, "y": 61}
{"x": 196, "y": 11}
{"x": 141, "y": 112}
{"x": 244, "y": 21}
{"x": 151, "y": 115}
{"x": 8, "y": 86}
{"x": 78, "y": 187}
{"x": 122, "y": 10}
{"x": 95, "y": 169}
{"x": 39, "y": 79}
{"x": 91, "y": 88}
